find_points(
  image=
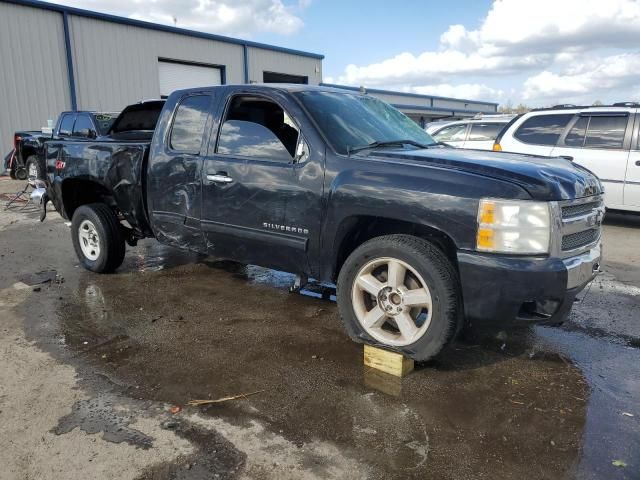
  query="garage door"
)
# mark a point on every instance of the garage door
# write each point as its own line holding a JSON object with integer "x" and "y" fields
{"x": 177, "y": 76}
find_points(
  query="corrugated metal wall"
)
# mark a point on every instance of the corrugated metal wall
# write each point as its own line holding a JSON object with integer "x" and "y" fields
{"x": 116, "y": 65}
{"x": 261, "y": 60}
{"x": 34, "y": 85}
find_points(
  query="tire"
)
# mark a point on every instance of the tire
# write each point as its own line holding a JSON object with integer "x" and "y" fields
{"x": 12, "y": 173}
{"x": 434, "y": 322}
{"x": 97, "y": 238}
{"x": 33, "y": 169}
{"x": 21, "y": 173}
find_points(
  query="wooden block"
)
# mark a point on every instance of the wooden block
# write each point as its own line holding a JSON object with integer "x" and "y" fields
{"x": 389, "y": 362}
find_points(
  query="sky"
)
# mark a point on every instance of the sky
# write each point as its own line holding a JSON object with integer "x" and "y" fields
{"x": 536, "y": 52}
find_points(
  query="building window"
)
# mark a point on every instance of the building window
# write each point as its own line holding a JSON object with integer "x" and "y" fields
{"x": 273, "y": 77}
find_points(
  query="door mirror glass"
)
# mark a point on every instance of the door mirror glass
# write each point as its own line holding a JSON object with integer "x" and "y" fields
{"x": 302, "y": 151}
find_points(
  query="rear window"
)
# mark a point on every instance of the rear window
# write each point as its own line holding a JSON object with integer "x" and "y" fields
{"x": 138, "y": 117}
{"x": 543, "y": 129}
{"x": 606, "y": 131}
{"x": 104, "y": 120}
{"x": 188, "y": 124}
{"x": 485, "y": 131}
{"x": 575, "y": 137}
{"x": 597, "y": 131}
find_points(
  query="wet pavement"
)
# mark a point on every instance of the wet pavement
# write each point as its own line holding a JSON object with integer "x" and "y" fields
{"x": 170, "y": 326}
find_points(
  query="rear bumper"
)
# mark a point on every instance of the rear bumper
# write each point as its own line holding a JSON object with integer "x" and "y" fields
{"x": 503, "y": 290}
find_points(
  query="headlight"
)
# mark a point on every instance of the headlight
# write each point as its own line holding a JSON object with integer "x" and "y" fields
{"x": 513, "y": 226}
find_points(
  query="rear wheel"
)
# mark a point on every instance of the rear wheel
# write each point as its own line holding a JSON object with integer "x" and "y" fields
{"x": 402, "y": 293}
{"x": 97, "y": 238}
{"x": 20, "y": 173}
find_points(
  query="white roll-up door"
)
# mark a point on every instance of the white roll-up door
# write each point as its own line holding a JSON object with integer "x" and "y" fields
{"x": 177, "y": 76}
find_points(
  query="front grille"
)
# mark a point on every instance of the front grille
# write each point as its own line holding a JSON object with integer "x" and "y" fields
{"x": 580, "y": 239}
{"x": 571, "y": 211}
{"x": 580, "y": 227}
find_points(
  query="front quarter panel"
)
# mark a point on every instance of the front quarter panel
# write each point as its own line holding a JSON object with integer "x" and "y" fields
{"x": 439, "y": 198}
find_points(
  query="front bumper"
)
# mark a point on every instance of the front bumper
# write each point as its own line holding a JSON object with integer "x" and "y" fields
{"x": 500, "y": 289}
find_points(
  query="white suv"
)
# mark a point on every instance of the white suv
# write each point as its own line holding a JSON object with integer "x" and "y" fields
{"x": 478, "y": 133}
{"x": 602, "y": 139}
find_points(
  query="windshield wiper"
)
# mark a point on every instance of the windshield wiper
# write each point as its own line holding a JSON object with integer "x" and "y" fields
{"x": 388, "y": 143}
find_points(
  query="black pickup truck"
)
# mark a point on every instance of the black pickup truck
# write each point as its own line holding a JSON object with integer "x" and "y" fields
{"x": 341, "y": 187}
{"x": 77, "y": 125}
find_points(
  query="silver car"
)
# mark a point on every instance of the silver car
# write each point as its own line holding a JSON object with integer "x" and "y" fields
{"x": 477, "y": 133}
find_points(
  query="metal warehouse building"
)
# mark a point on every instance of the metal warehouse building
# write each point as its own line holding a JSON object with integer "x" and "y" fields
{"x": 55, "y": 58}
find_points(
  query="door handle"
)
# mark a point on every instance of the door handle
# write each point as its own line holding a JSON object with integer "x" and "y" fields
{"x": 219, "y": 178}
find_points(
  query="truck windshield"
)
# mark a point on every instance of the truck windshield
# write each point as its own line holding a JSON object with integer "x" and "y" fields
{"x": 352, "y": 121}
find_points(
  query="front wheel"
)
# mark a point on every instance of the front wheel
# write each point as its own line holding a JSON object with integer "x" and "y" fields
{"x": 97, "y": 238}
{"x": 402, "y": 293}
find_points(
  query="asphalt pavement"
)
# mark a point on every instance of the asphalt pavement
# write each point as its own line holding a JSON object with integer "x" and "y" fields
{"x": 96, "y": 372}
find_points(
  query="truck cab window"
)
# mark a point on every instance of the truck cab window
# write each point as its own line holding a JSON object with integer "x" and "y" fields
{"x": 84, "y": 127}
{"x": 257, "y": 127}
{"x": 188, "y": 124}
{"x": 66, "y": 125}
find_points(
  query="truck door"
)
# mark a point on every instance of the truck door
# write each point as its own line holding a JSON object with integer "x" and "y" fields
{"x": 600, "y": 142}
{"x": 174, "y": 180}
{"x": 262, "y": 185}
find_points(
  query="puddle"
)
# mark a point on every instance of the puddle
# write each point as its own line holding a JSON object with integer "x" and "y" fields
{"x": 208, "y": 331}
{"x": 611, "y": 370}
{"x": 169, "y": 329}
{"x": 98, "y": 415}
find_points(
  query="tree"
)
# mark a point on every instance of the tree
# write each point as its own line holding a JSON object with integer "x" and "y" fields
{"x": 509, "y": 108}
{"x": 597, "y": 103}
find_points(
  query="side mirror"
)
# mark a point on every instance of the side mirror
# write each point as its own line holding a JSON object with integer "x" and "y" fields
{"x": 92, "y": 134}
{"x": 302, "y": 151}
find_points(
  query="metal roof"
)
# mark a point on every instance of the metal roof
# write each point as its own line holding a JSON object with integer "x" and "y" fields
{"x": 155, "y": 26}
{"x": 406, "y": 94}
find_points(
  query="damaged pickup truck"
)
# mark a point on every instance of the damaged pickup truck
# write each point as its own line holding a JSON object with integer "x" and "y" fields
{"x": 341, "y": 187}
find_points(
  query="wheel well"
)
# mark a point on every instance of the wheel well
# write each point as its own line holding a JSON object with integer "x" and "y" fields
{"x": 76, "y": 193}
{"x": 26, "y": 152}
{"x": 354, "y": 231}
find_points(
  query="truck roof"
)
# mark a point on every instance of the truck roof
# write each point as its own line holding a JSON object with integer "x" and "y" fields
{"x": 285, "y": 87}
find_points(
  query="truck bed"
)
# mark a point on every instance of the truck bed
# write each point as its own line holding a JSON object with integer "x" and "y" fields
{"x": 116, "y": 166}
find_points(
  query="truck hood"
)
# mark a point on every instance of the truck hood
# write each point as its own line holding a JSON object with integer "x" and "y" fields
{"x": 544, "y": 178}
